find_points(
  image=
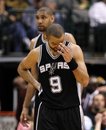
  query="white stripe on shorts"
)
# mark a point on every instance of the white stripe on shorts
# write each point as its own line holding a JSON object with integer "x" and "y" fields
{"x": 38, "y": 115}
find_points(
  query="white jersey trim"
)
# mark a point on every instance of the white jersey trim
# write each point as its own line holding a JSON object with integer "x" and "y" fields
{"x": 36, "y": 39}
{"x": 49, "y": 52}
{"x": 39, "y": 60}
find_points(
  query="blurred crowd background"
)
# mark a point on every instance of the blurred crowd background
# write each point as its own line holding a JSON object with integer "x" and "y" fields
{"x": 85, "y": 19}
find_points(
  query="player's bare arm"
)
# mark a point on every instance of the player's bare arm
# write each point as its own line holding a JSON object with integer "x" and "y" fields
{"x": 23, "y": 69}
{"x": 70, "y": 38}
{"x": 80, "y": 73}
{"x": 74, "y": 52}
{"x": 24, "y": 117}
{"x": 32, "y": 43}
{"x": 30, "y": 90}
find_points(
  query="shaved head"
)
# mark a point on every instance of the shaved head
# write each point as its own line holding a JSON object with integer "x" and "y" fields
{"x": 55, "y": 30}
{"x": 47, "y": 10}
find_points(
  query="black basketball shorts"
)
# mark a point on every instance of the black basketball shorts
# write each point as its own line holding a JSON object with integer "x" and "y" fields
{"x": 58, "y": 119}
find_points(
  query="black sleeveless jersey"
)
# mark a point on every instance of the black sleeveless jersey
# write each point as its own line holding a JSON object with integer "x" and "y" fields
{"x": 59, "y": 87}
{"x": 39, "y": 41}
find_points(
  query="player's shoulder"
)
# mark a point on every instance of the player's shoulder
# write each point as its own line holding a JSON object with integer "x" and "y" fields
{"x": 36, "y": 49}
{"x": 75, "y": 47}
{"x": 33, "y": 42}
{"x": 68, "y": 34}
{"x": 35, "y": 53}
{"x": 70, "y": 37}
{"x": 77, "y": 51}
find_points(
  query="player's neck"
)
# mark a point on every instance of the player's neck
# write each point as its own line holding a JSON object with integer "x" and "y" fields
{"x": 44, "y": 36}
{"x": 54, "y": 53}
{"x": 44, "y": 39}
{"x": 51, "y": 51}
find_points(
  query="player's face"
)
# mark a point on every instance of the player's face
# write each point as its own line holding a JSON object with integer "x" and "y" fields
{"x": 43, "y": 20}
{"x": 54, "y": 42}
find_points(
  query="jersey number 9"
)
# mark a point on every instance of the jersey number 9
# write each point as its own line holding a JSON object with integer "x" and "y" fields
{"x": 55, "y": 83}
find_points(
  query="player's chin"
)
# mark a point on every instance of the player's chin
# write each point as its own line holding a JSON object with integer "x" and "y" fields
{"x": 41, "y": 29}
{"x": 55, "y": 49}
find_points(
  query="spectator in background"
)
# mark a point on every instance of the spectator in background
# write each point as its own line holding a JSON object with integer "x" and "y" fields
{"x": 98, "y": 103}
{"x": 17, "y": 4}
{"x": 13, "y": 34}
{"x": 84, "y": 4}
{"x": 21, "y": 86}
{"x": 95, "y": 86}
{"x": 100, "y": 120}
{"x": 10, "y": 3}
{"x": 52, "y": 4}
{"x": 97, "y": 16}
{"x": 3, "y": 18}
{"x": 88, "y": 123}
{"x": 28, "y": 18}
{"x": 87, "y": 92}
{"x": 102, "y": 85}
{"x": 69, "y": 4}
{"x": 81, "y": 23}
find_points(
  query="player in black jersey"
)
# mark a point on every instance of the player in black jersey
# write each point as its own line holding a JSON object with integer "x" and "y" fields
{"x": 60, "y": 66}
{"x": 44, "y": 18}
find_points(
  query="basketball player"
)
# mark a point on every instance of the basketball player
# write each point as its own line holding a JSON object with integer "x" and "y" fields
{"x": 60, "y": 66}
{"x": 44, "y": 18}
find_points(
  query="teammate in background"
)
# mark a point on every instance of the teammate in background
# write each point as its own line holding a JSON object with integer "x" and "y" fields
{"x": 60, "y": 65}
{"x": 44, "y": 18}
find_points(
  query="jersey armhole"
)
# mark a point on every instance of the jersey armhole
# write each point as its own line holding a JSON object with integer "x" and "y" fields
{"x": 40, "y": 55}
{"x": 35, "y": 41}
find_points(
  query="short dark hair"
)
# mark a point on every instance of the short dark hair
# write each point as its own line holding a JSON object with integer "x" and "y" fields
{"x": 55, "y": 30}
{"x": 47, "y": 10}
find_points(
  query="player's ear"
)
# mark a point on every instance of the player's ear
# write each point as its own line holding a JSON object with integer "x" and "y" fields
{"x": 52, "y": 18}
{"x": 46, "y": 37}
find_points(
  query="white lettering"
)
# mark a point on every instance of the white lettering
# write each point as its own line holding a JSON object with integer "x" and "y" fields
{"x": 42, "y": 68}
{"x": 53, "y": 66}
{"x": 48, "y": 66}
{"x": 66, "y": 66}
{"x": 60, "y": 65}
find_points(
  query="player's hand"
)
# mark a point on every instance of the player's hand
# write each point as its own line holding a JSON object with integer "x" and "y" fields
{"x": 65, "y": 51}
{"x": 36, "y": 85}
{"x": 24, "y": 118}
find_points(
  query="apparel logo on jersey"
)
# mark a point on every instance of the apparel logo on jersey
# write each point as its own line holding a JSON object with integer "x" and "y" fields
{"x": 51, "y": 67}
